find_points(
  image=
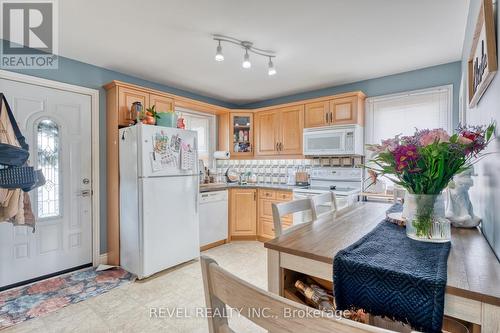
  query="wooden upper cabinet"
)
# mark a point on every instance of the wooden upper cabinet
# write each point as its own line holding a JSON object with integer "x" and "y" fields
{"x": 126, "y": 97}
{"x": 279, "y": 131}
{"x": 344, "y": 110}
{"x": 162, "y": 103}
{"x": 291, "y": 126}
{"x": 266, "y": 132}
{"x": 317, "y": 114}
{"x": 243, "y": 212}
{"x": 241, "y": 133}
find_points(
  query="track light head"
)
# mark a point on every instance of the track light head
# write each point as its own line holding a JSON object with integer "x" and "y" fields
{"x": 218, "y": 55}
{"x": 246, "y": 60}
{"x": 271, "y": 70}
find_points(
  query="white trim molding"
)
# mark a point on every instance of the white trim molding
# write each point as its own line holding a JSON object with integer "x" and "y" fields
{"x": 103, "y": 259}
{"x": 94, "y": 95}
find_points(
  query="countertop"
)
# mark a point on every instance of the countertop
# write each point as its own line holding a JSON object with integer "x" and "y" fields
{"x": 219, "y": 187}
{"x": 473, "y": 269}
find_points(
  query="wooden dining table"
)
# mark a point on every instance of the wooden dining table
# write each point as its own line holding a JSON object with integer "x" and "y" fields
{"x": 473, "y": 284}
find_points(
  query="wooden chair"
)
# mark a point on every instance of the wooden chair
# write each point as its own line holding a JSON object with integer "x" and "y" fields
{"x": 399, "y": 194}
{"x": 277, "y": 314}
{"x": 325, "y": 199}
{"x": 285, "y": 208}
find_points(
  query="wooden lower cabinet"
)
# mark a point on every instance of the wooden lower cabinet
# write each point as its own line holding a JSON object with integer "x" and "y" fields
{"x": 251, "y": 213}
{"x": 243, "y": 211}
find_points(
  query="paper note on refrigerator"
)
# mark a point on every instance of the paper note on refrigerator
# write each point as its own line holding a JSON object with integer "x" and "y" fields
{"x": 165, "y": 152}
{"x": 187, "y": 156}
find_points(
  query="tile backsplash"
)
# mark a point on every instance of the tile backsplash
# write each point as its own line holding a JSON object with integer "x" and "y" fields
{"x": 276, "y": 171}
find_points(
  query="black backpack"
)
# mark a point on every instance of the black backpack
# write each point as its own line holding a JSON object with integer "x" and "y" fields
{"x": 14, "y": 170}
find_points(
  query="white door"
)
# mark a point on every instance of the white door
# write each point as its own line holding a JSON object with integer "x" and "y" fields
{"x": 57, "y": 126}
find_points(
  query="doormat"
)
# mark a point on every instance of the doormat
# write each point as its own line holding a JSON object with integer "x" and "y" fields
{"x": 37, "y": 299}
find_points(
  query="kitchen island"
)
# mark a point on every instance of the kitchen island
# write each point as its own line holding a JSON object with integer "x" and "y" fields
{"x": 473, "y": 284}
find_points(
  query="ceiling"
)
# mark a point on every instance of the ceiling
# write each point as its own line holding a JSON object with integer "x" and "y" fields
{"x": 319, "y": 43}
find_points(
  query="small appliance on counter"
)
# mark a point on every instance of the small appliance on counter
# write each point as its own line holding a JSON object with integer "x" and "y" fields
{"x": 302, "y": 178}
{"x": 232, "y": 176}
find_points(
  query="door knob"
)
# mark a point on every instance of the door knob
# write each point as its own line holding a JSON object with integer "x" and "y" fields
{"x": 85, "y": 181}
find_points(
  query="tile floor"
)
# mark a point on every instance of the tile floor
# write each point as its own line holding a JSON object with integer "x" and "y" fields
{"x": 128, "y": 308}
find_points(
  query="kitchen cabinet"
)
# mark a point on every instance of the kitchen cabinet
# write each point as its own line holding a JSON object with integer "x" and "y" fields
{"x": 345, "y": 109}
{"x": 126, "y": 97}
{"x": 161, "y": 103}
{"x": 291, "y": 126}
{"x": 265, "y": 225}
{"x": 279, "y": 131}
{"x": 241, "y": 133}
{"x": 236, "y": 133}
{"x": 266, "y": 133}
{"x": 251, "y": 213}
{"x": 317, "y": 114}
{"x": 243, "y": 210}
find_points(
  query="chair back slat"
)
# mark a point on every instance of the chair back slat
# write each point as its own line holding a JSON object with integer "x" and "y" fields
{"x": 285, "y": 208}
{"x": 271, "y": 312}
{"x": 320, "y": 200}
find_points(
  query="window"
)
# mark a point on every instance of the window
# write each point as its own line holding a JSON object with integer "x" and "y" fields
{"x": 48, "y": 158}
{"x": 205, "y": 126}
{"x": 390, "y": 115}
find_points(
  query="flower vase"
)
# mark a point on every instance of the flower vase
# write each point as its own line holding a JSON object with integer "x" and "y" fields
{"x": 425, "y": 218}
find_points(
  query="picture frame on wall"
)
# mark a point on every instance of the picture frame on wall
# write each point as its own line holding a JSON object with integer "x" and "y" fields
{"x": 482, "y": 62}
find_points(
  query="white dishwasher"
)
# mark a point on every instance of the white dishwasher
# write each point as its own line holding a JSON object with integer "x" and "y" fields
{"x": 213, "y": 217}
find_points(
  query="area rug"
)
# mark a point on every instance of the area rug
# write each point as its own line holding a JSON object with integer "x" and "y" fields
{"x": 35, "y": 300}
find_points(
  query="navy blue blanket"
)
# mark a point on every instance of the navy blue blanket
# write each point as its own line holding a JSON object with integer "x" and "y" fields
{"x": 388, "y": 274}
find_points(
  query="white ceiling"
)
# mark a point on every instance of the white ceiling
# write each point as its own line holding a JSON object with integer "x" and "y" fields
{"x": 319, "y": 43}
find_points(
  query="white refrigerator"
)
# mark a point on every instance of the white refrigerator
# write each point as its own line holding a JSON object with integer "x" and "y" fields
{"x": 159, "y": 185}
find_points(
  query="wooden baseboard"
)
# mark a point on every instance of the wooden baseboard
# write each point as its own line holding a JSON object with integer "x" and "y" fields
{"x": 211, "y": 245}
{"x": 244, "y": 238}
{"x": 263, "y": 239}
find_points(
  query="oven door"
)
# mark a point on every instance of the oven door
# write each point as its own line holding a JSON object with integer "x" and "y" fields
{"x": 324, "y": 142}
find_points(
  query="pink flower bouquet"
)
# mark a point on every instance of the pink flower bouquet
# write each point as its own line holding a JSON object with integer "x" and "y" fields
{"x": 424, "y": 164}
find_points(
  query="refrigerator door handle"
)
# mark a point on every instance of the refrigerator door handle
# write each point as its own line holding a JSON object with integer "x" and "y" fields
{"x": 196, "y": 196}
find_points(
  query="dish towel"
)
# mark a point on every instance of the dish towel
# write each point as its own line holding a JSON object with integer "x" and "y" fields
{"x": 388, "y": 274}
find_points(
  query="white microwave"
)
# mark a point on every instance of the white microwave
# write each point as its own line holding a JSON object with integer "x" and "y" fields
{"x": 334, "y": 140}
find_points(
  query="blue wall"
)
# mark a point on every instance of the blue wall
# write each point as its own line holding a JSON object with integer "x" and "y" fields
{"x": 485, "y": 194}
{"x": 82, "y": 74}
{"x": 419, "y": 79}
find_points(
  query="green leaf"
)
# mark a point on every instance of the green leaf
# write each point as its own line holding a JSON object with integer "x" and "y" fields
{"x": 489, "y": 131}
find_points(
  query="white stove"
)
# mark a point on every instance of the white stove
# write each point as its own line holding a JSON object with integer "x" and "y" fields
{"x": 344, "y": 182}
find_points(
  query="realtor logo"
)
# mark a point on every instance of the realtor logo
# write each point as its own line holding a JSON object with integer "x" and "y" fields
{"x": 29, "y": 34}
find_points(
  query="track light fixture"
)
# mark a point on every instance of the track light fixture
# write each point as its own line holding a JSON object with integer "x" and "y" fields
{"x": 272, "y": 69}
{"x": 248, "y": 47}
{"x": 246, "y": 60}
{"x": 219, "y": 56}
